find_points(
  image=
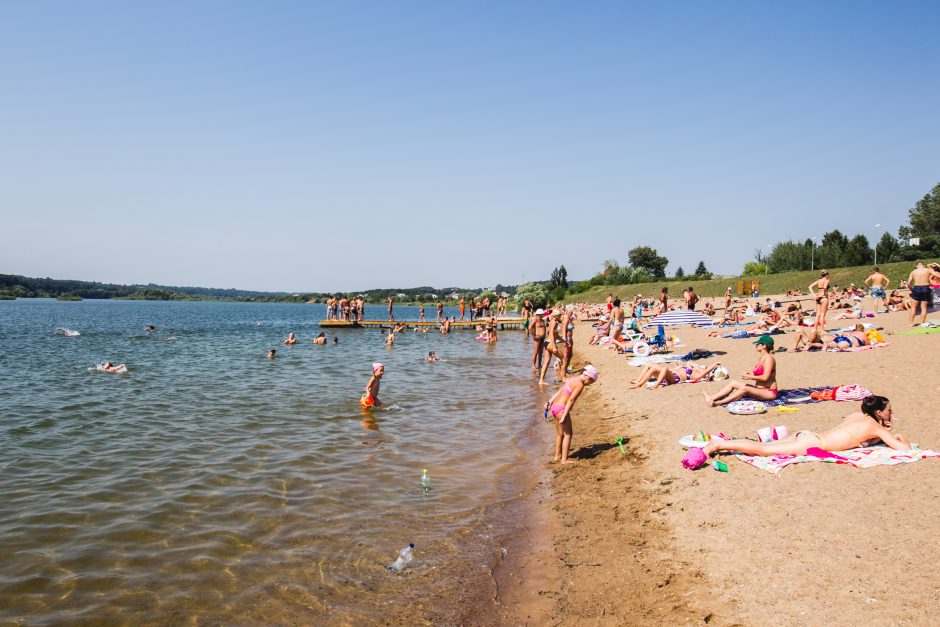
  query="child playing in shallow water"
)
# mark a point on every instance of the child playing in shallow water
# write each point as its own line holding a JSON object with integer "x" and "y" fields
{"x": 371, "y": 397}
{"x": 560, "y": 408}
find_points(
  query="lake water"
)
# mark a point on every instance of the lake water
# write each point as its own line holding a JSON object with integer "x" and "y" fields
{"x": 211, "y": 484}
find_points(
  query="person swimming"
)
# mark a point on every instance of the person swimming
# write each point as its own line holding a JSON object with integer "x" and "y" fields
{"x": 432, "y": 357}
{"x": 320, "y": 340}
{"x": 109, "y": 367}
{"x": 272, "y": 353}
{"x": 371, "y": 396}
{"x": 291, "y": 339}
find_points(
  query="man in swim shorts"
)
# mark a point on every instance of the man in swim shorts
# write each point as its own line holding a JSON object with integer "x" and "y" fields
{"x": 919, "y": 280}
{"x": 878, "y": 283}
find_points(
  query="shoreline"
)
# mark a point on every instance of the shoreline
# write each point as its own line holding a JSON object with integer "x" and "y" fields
{"x": 637, "y": 539}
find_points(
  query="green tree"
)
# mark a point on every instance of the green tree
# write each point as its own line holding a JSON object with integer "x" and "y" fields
{"x": 680, "y": 273}
{"x": 754, "y": 268}
{"x": 536, "y": 293}
{"x": 560, "y": 278}
{"x": 646, "y": 258}
{"x": 857, "y": 252}
{"x": 701, "y": 272}
{"x": 887, "y": 248}
{"x": 924, "y": 217}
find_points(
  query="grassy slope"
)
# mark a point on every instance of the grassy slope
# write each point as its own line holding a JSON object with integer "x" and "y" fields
{"x": 769, "y": 284}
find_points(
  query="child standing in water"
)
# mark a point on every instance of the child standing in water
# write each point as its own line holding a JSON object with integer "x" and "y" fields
{"x": 371, "y": 397}
{"x": 560, "y": 408}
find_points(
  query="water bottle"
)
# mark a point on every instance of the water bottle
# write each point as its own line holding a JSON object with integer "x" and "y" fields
{"x": 425, "y": 480}
{"x": 404, "y": 558}
{"x": 720, "y": 466}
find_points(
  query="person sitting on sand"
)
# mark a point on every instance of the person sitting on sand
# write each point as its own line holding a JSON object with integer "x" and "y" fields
{"x": 853, "y": 313}
{"x": 109, "y": 367}
{"x": 320, "y": 340}
{"x": 664, "y": 375}
{"x": 709, "y": 309}
{"x": 850, "y": 339}
{"x": 857, "y": 430}
{"x": 764, "y": 377}
{"x": 560, "y": 406}
{"x": 770, "y": 319}
{"x": 291, "y": 339}
{"x": 811, "y": 339}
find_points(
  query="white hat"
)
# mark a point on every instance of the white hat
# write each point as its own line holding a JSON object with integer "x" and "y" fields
{"x": 539, "y": 312}
{"x": 591, "y": 372}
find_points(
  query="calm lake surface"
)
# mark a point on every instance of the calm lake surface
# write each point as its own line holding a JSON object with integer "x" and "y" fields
{"x": 211, "y": 484}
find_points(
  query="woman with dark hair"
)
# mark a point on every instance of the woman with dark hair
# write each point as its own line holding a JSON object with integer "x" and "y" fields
{"x": 863, "y": 428}
{"x": 821, "y": 297}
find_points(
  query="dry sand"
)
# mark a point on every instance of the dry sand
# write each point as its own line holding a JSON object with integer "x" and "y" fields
{"x": 636, "y": 539}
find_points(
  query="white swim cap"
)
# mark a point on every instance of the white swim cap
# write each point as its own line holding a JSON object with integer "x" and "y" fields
{"x": 591, "y": 372}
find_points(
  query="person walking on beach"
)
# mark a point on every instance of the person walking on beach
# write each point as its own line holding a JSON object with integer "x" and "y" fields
{"x": 371, "y": 397}
{"x": 822, "y": 297}
{"x": 879, "y": 284}
{"x": 919, "y": 280}
{"x": 691, "y": 299}
{"x": 664, "y": 300}
{"x": 728, "y": 300}
{"x": 560, "y": 406}
{"x": 551, "y": 345}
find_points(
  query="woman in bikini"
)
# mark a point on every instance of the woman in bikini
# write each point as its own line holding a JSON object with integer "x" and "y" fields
{"x": 811, "y": 339}
{"x": 822, "y": 297}
{"x": 560, "y": 407}
{"x": 764, "y": 377}
{"x": 851, "y": 339}
{"x": 664, "y": 375}
{"x": 552, "y": 348}
{"x": 863, "y": 428}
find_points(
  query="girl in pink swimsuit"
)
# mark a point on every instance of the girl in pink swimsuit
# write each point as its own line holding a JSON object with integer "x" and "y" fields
{"x": 560, "y": 409}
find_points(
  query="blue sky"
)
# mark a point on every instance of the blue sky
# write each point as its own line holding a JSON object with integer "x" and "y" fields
{"x": 342, "y": 146}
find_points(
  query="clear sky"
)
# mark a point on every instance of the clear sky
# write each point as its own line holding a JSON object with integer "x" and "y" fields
{"x": 314, "y": 146}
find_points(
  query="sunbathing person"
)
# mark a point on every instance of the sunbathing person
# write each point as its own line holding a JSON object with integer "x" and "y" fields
{"x": 849, "y": 339}
{"x": 664, "y": 375}
{"x": 852, "y": 314}
{"x": 771, "y": 318}
{"x": 764, "y": 377}
{"x": 811, "y": 339}
{"x": 863, "y": 428}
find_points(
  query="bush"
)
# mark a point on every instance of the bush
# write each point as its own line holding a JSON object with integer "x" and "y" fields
{"x": 536, "y": 293}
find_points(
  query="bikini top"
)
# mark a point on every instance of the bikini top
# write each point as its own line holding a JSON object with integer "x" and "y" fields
{"x": 759, "y": 370}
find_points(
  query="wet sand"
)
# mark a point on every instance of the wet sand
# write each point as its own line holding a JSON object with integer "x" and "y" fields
{"x": 635, "y": 539}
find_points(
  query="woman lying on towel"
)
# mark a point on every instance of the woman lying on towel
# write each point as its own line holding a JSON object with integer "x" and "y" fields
{"x": 764, "y": 377}
{"x": 863, "y": 428}
{"x": 849, "y": 339}
{"x": 664, "y": 375}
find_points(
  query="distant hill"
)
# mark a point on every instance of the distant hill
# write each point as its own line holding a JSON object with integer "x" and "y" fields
{"x": 12, "y": 285}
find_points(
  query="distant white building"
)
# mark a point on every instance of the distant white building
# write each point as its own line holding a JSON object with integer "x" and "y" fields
{"x": 400, "y": 295}
{"x": 454, "y": 296}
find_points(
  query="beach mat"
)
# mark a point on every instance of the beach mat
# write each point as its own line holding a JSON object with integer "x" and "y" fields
{"x": 795, "y": 395}
{"x": 867, "y": 457}
{"x": 856, "y": 349}
{"x": 922, "y": 331}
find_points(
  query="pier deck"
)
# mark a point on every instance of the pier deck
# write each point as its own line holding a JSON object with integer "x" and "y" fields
{"x": 501, "y": 323}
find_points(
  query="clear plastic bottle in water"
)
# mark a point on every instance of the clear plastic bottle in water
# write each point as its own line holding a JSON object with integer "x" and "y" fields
{"x": 425, "y": 480}
{"x": 404, "y": 558}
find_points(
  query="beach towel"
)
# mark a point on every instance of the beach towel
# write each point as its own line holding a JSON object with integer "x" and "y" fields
{"x": 795, "y": 395}
{"x": 867, "y": 457}
{"x": 652, "y": 359}
{"x": 922, "y": 331}
{"x": 856, "y": 349}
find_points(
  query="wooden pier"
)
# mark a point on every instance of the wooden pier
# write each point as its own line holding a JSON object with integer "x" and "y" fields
{"x": 501, "y": 323}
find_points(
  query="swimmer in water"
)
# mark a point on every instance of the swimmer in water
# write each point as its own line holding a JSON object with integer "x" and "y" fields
{"x": 390, "y": 338}
{"x": 320, "y": 340}
{"x": 109, "y": 367}
{"x": 371, "y": 397}
{"x": 335, "y": 341}
{"x": 291, "y": 339}
{"x": 150, "y": 328}
{"x": 272, "y": 353}
{"x": 433, "y": 357}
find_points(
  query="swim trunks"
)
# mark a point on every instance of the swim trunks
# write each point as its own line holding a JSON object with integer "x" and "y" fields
{"x": 877, "y": 292}
{"x": 921, "y": 293}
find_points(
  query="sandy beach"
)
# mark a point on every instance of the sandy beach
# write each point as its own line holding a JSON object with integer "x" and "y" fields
{"x": 633, "y": 538}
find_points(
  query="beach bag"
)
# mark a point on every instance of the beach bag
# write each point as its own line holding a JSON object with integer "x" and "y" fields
{"x": 853, "y": 392}
{"x": 875, "y": 336}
